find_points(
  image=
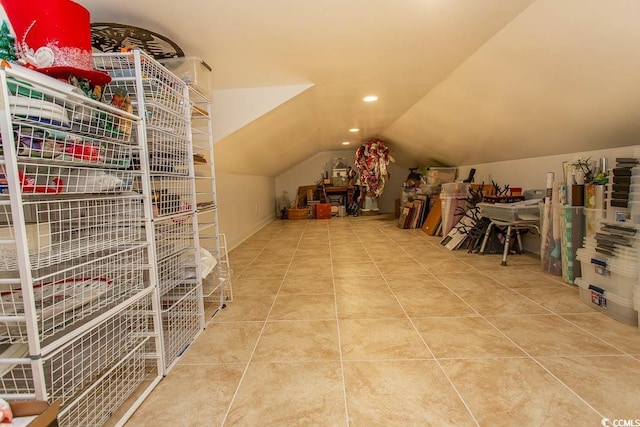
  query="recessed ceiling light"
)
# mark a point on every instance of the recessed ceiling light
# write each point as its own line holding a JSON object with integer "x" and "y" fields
{"x": 354, "y": 130}
{"x": 346, "y": 143}
{"x": 370, "y": 98}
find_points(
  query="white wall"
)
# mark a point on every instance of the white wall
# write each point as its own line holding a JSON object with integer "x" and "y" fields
{"x": 531, "y": 173}
{"x": 245, "y": 205}
{"x": 309, "y": 172}
{"x": 393, "y": 188}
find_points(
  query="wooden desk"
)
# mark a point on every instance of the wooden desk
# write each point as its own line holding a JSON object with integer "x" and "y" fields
{"x": 342, "y": 190}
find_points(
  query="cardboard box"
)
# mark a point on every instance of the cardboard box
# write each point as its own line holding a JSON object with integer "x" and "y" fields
{"x": 323, "y": 211}
{"x": 34, "y": 413}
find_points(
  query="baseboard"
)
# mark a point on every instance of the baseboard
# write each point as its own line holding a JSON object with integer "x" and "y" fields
{"x": 237, "y": 240}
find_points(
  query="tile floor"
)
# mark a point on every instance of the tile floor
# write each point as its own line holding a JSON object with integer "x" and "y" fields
{"x": 353, "y": 321}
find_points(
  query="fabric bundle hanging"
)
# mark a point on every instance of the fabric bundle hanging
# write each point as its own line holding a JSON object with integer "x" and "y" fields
{"x": 372, "y": 160}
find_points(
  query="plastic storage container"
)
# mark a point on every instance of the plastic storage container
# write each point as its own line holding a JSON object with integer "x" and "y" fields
{"x": 614, "y": 274}
{"x": 614, "y": 306}
{"x": 437, "y": 175}
{"x": 510, "y": 211}
{"x": 454, "y": 189}
{"x": 193, "y": 71}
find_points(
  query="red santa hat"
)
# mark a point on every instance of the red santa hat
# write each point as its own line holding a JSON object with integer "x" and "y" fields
{"x": 54, "y": 36}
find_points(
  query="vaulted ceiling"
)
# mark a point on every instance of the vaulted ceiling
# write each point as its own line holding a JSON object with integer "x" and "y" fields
{"x": 459, "y": 81}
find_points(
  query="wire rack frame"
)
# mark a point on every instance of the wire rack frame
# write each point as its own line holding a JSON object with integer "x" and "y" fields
{"x": 158, "y": 83}
{"x": 37, "y": 142}
{"x": 58, "y": 230}
{"x": 173, "y": 236}
{"x": 177, "y": 270}
{"x": 65, "y": 112}
{"x": 109, "y": 392}
{"x": 71, "y": 295}
{"x": 200, "y": 136}
{"x": 181, "y": 320}
{"x": 218, "y": 284}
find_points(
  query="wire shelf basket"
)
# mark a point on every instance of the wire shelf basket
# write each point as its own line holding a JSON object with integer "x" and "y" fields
{"x": 73, "y": 294}
{"x": 65, "y": 114}
{"x": 171, "y": 196}
{"x": 46, "y": 180}
{"x": 173, "y": 236}
{"x": 168, "y": 152}
{"x": 16, "y": 377}
{"x": 180, "y": 320}
{"x": 59, "y": 230}
{"x": 177, "y": 270}
{"x": 109, "y": 392}
{"x": 159, "y": 85}
{"x": 37, "y": 142}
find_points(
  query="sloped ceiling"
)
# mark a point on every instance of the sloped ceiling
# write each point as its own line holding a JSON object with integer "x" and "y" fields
{"x": 459, "y": 81}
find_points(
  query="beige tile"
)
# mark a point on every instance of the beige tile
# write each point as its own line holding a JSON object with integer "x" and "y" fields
{"x": 350, "y": 269}
{"x": 465, "y": 281}
{"x": 191, "y": 396}
{"x": 433, "y": 302}
{"x": 415, "y": 392}
{"x": 306, "y": 285}
{"x": 231, "y": 342}
{"x": 289, "y": 394}
{"x": 433, "y": 257}
{"x": 256, "y": 286}
{"x": 498, "y": 302}
{"x": 412, "y": 282}
{"x": 357, "y": 284}
{"x": 551, "y": 335}
{"x": 610, "y": 384}
{"x": 619, "y": 335}
{"x": 273, "y": 257}
{"x": 310, "y": 262}
{"x": 372, "y": 304}
{"x": 465, "y": 337}
{"x": 249, "y": 308}
{"x": 516, "y": 392}
{"x": 265, "y": 270}
{"x": 304, "y": 257}
{"x": 312, "y": 251}
{"x": 400, "y": 267}
{"x": 318, "y": 270}
{"x": 298, "y": 341}
{"x": 304, "y": 307}
{"x": 445, "y": 267}
{"x": 381, "y": 339}
{"x": 350, "y": 257}
{"x": 522, "y": 278}
{"x": 559, "y": 298}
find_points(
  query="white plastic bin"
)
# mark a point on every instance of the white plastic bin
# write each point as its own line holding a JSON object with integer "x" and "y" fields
{"x": 614, "y": 306}
{"x": 614, "y": 274}
{"x": 193, "y": 71}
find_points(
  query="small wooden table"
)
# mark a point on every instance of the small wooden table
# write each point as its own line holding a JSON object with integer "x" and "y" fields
{"x": 346, "y": 191}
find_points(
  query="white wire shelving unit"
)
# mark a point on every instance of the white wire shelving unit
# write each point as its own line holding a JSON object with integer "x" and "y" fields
{"x": 217, "y": 284}
{"x": 79, "y": 309}
{"x": 161, "y": 99}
